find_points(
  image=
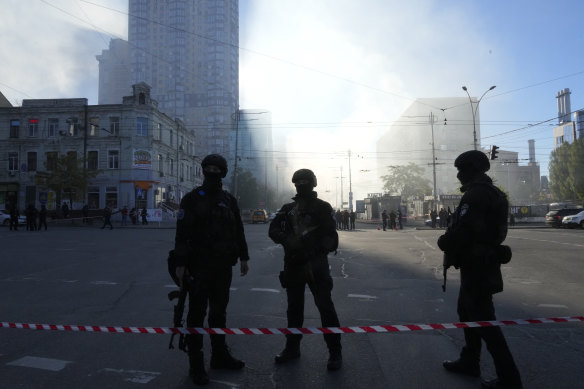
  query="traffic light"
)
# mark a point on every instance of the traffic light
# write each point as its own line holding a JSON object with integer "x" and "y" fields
{"x": 494, "y": 152}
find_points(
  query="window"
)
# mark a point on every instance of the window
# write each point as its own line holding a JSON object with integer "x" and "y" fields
{"x": 92, "y": 161}
{"x": 115, "y": 126}
{"x": 142, "y": 126}
{"x": 160, "y": 132}
{"x": 73, "y": 126}
{"x": 51, "y": 160}
{"x": 12, "y": 161}
{"x": 93, "y": 197}
{"x": 113, "y": 159}
{"x": 111, "y": 196}
{"x": 171, "y": 137}
{"x": 72, "y": 159}
{"x": 32, "y": 161}
{"x": 33, "y": 127}
{"x": 53, "y": 127}
{"x": 14, "y": 128}
{"x": 160, "y": 163}
{"x": 172, "y": 167}
{"x": 93, "y": 126}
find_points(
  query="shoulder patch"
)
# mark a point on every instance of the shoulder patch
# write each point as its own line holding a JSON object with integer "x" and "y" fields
{"x": 180, "y": 214}
{"x": 201, "y": 192}
{"x": 464, "y": 209}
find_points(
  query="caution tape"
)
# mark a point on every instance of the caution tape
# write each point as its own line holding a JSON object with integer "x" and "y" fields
{"x": 290, "y": 331}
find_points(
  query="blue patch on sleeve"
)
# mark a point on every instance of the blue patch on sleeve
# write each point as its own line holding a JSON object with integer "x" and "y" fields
{"x": 181, "y": 214}
{"x": 202, "y": 192}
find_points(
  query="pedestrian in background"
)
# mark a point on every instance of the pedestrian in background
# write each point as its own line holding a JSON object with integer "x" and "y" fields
{"x": 43, "y": 217}
{"x": 306, "y": 229}
{"x": 473, "y": 243}
{"x": 124, "y": 213}
{"x": 352, "y": 220}
{"x": 14, "y": 215}
{"x": 144, "y": 215}
{"x": 384, "y": 219}
{"x": 107, "y": 216}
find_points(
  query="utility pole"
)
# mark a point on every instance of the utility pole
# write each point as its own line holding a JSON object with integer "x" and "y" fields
{"x": 350, "y": 186}
{"x": 433, "y": 160}
{"x": 236, "y": 145}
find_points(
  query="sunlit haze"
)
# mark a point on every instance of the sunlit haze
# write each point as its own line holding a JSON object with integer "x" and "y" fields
{"x": 336, "y": 74}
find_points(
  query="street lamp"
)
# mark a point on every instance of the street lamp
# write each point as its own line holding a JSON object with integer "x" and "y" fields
{"x": 474, "y": 112}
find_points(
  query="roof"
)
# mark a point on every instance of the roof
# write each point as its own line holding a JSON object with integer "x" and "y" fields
{"x": 4, "y": 101}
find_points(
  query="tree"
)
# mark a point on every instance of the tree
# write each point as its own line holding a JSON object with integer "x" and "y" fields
{"x": 566, "y": 167}
{"x": 248, "y": 190}
{"x": 67, "y": 176}
{"x": 407, "y": 181}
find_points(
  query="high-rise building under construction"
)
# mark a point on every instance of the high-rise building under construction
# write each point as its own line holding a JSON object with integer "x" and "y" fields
{"x": 187, "y": 51}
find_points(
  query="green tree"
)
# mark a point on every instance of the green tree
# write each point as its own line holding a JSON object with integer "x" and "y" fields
{"x": 576, "y": 168}
{"x": 248, "y": 190}
{"x": 68, "y": 177}
{"x": 407, "y": 181}
{"x": 566, "y": 177}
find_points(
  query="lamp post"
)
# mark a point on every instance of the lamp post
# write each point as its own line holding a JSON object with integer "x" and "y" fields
{"x": 474, "y": 112}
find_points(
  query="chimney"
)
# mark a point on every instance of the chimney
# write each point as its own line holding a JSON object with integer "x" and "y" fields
{"x": 531, "y": 151}
{"x": 564, "y": 106}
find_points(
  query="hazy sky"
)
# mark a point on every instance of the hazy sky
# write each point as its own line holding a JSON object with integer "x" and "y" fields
{"x": 336, "y": 73}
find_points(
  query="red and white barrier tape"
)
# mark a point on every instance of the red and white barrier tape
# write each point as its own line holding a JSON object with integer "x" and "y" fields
{"x": 287, "y": 331}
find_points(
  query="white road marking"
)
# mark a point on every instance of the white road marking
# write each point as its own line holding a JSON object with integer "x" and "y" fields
{"x": 103, "y": 283}
{"x": 265, "y": 290}
{"x": 170, "y": 286}
{"x": 362, "y": 296}
{"x": 552, "y": 306}
{"x": 135, "y": 376}
{"x": 40, "y": 363}
{"x": 230, "y": 384}
{"x": 232, "y": 289}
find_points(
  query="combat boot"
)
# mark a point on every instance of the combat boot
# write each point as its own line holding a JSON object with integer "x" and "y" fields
{"x": 197, "y": 370}
{"x": 221, "y": 358}
{"x": 289, "y": 353}
{"x": 335, "y": 361}
{"x": 498, "y": 384}
{"x": 461, "y": 366}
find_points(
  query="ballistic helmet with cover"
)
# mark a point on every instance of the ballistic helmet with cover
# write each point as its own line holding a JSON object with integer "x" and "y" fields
{"x": 474, "y": 160}
{"x": 304, "y": 175}
{"x": 215, "y": 160}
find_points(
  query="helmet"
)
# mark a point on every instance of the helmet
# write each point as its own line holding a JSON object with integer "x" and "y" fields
{"x": 215, "y": 160}
{"x": 304, "y": 174}
{"x": 473, "y": 159}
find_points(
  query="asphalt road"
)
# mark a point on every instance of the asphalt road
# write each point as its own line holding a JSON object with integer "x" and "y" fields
{"x": 89, "y": 276}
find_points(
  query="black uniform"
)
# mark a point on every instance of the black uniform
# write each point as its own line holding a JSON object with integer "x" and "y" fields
{"x": 43, "y": 217}
{"x": 14, "y": 214}
{"x": 307, "y": 231}
{"x": 478, "y": 227}
{"x": 209, "y": 240}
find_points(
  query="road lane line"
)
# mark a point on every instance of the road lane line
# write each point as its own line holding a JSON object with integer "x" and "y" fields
{"x": 265, "y": 290}
{"x": 552, "y": 306}
{"x": 362, "y": 296}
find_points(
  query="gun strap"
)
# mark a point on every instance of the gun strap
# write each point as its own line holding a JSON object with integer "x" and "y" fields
{"x": 444, "y": 283}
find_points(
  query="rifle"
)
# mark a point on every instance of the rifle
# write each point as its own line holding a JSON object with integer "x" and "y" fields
{"x": 179, "y": 309}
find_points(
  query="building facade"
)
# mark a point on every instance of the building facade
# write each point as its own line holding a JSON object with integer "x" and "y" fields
{"x": 430, "y": 133}
{"x": 142, "y": 157}
{"x": 188, "y": 51}
{"x": 114, "y": 73}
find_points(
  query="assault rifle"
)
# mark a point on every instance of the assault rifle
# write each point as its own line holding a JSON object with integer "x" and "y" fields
{"x": 179, "y": 310}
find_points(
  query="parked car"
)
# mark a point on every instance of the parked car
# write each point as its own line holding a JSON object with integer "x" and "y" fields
{"x": 260, "y": 216}
{"x": 554, "y": 218}
{"x": 5, "y": 218}
{"x": 572, "y": 221}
